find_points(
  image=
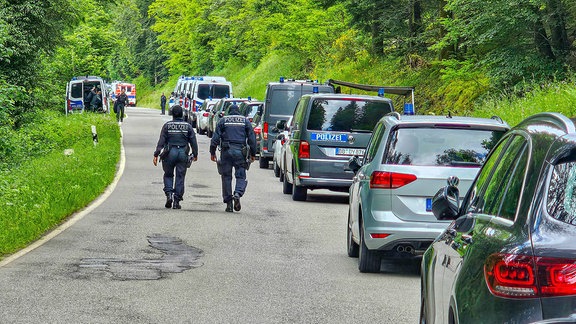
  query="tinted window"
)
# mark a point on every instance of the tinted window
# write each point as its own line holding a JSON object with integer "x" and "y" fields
{"x": 561, "y": 202}
{"x": 346, "y": 115}
{"x": 475, "y": 200}
{"x": 283, "y": 101}
{"x": 503, "y": 191}
{"x": 374, "y": 143}
{"x": 203, "y": 91}
{"x": 76, "y": 90}
{"x": 441, "y": 146}
{"x": 220, "y": 91}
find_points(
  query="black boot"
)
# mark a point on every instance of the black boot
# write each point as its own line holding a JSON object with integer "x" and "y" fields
{"x": 237, "y": 205}
{"x": 229, "y": 207}
{"x": 176, "y": 204}
{"x": 168, "y": 201}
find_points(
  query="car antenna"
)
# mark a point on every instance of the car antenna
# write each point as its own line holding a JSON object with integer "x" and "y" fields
{"x": 449, "y": 115}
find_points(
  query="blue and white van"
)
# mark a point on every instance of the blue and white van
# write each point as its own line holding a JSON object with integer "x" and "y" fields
{"x": 77, "y": 90}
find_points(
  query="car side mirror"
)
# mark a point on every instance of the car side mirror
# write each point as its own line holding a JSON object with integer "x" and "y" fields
{"x": 446, "y": 202}
{"x": 221, "y": 114}
{"x": 354, "y": 164}
{"x": 281, "y": 124}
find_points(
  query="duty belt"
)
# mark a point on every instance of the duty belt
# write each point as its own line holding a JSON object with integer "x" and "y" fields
{"x": 178, "y": 146}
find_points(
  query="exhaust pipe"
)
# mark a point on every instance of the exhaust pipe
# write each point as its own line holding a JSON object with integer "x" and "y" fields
{"x": 405, "y": 248}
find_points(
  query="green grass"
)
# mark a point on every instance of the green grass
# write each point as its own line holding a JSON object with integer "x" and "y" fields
{"x": 39, "y": 194}
{"x": 555, "y": 97}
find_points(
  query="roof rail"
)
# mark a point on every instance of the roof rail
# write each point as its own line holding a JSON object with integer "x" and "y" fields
{"x": 394, "y": 114}
{"x": 557, "y": 119}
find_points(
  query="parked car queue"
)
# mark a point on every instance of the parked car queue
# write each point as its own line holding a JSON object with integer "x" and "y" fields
{"x": 496, "y": 242}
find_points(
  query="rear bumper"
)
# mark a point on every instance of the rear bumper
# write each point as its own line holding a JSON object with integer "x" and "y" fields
{"x": 417, "y": 234}
{"x": 322, "y": 183}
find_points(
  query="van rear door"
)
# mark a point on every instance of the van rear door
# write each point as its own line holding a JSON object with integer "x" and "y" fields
{"x": 337, "y": 129}
{"x": 75, "y": 96}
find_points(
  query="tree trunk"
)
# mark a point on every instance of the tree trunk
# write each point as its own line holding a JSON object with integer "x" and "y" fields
{"x": 541, "y": 40}
{"x": 558, "y": 34}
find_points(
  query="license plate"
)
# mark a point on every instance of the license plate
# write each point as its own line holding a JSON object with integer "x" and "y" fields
{"x": 428, "y": 204}
{"x": 328, "y": 137}
{"x": 349, "y": 151}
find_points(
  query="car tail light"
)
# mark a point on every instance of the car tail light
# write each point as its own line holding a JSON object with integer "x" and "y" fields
{"x": 206, "y": 114}
{"x": 379, "y": 235}
{"x": 520, "y": 276}
{"x": 304, "y": 150}
{"x": 265, "y": 131}
{"x": 257, "y": 130}
{"x": 390, "y": 180}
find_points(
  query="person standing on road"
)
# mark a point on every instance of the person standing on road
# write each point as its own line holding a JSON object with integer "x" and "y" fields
{"x": 236, "y": 138}
{"x": 176, "y": 138}
{"x": 163, "y": 103}
{"x": 119, "y": 105}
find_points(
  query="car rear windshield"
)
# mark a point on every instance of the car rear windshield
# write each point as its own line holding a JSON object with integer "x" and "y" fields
{"x": 346, "y": 115}
{"x": 458, "y": 147}
{"x": 283, "y": 101}
{"x": 216, "y": 91}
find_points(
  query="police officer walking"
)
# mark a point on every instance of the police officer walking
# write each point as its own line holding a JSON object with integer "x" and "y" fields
{"x": 119, "y": 104}
{"x": 163, "y": 103}
{"x": 236, "y": 138}
{"x": 176, "y": 138}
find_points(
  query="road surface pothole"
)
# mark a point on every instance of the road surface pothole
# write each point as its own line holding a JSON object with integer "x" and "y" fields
{"x": 176, "y": 257}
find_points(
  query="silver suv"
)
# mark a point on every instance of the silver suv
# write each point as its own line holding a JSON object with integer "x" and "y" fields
{"x": 407, "y": 159}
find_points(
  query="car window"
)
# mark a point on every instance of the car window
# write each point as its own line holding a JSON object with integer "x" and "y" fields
{"x": 374, "y": 142}
{"x": 220, "y": 91}
{"x": 283, "y": 101}
{"x": 561, "y": 197}
{"x": 503, "y": 191}
{"x": 346, "y": 115}
{"x": 462, "y": 147}
{"x": 299, "y": 114}
{"x": 475, "y": 199}
{"x": 203, "y": 91}
{"x": 499, "y": 183}
{"x": 76, "y": 90}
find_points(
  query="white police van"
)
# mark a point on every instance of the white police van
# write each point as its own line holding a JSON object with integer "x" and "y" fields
{"x": 77, "y": 90}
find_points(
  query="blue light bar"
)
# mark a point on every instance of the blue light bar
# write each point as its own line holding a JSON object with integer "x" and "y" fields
{"x": 381, "y": 92}
{"x": 249, "y": 98}
{"x": 314, "y": 89}
{"x": 281, "y": 79}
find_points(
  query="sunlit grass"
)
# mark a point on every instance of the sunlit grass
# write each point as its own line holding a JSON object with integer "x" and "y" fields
{"x": 41, "y": 192}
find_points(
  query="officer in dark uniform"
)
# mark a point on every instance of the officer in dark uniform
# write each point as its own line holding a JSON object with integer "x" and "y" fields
{"x": 236, "y": 138}
{"x": 176, "y": 138}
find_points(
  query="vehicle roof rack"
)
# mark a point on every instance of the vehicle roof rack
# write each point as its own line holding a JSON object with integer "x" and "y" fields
{"x": 394, "y": 114}
{"x": 497, "y": 118}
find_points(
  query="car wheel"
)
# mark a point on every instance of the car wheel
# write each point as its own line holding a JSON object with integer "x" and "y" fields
{"x": 286, "y": 186}
{"x": 209, "y": 133}
{"x": 263, "y": 162}
{"x": 276, "y": 168}
{"x": 368, "y": 260}
{"x": 299, "y": 193}
{"x": 281, "y": 176}
{"x": 353, "y": 248}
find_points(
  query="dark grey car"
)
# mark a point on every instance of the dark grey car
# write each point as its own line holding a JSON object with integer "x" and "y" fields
{"x": 326, "y": 130}
{"x": 509, "y": 256}
{"x": 280, "y": 102}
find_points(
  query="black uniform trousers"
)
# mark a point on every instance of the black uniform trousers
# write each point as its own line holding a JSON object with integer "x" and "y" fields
{"x": 174, "y": 166}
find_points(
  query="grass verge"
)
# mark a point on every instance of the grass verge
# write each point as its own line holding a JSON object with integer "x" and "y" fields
{"x": 39, "y": 194}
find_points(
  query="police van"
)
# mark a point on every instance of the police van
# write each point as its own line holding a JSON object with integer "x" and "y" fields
{"x": 77, "y": 91}
{"x": 280, "y": 102}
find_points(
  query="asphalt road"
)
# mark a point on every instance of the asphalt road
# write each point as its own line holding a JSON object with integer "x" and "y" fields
{"x": 130, "y": 260}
